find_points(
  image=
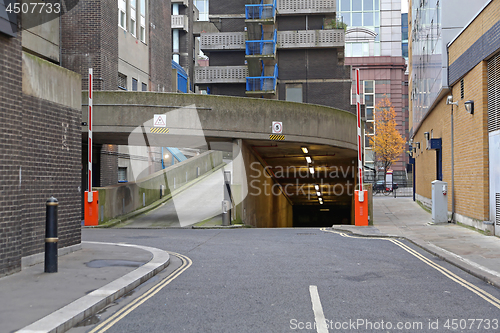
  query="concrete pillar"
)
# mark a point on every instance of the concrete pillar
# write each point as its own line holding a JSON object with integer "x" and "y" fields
{"x": 239, "y": 179}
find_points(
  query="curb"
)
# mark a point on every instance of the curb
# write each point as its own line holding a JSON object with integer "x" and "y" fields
{"x": 88, "y": 305}
{"x": 451, "y": 258}
{"x": 233, "y": 226}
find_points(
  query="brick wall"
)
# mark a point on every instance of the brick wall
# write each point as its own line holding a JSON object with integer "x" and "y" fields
{"x": 227, "y": 58}
{"x": 89, "y": 38}
{"x": 226, "y": 7}
{"x": 287, "y": 23}
{"x": 470, "y": 150}
{"x": 51, "y": 167}
{"x": 109, "y": 165}
{"x": 481, "y": 24}
{"x": 10, "y": 153}
{"x": 160, "y": 45}
{"x": 320, "y": 64}
{"x": 40, "y": 145}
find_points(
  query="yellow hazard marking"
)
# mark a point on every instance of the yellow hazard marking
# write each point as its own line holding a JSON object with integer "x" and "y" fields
{"x": 159, "y": 130}
{"x": 105, "y": 325}
{"x": 464, "y": 283}
{"x": 277, "y": 137}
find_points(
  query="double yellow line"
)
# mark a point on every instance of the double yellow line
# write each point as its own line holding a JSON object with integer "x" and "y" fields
{"x": 105, "y": 325}
{"x": 476, "y": 290}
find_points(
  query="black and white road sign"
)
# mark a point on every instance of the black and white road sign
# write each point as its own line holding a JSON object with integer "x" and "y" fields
{"x": 160, "y": 120}
{"x": 277, "y": 127}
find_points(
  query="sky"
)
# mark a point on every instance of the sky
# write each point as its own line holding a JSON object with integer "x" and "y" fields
{"x": 404, "y": 6}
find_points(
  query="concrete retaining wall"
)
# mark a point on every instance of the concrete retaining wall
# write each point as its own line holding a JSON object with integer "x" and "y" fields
{"x": 124, "y": 198}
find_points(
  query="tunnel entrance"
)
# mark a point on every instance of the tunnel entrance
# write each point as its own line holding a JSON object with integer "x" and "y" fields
{"x": 316, "y": 216}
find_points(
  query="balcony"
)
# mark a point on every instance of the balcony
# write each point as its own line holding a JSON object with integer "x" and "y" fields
{"x": 263, "y": 13}
{"x": 261, "y": 48}
{"x": 221, "y": 74}
{"x": 311, "y": 39}
{"x": 180, "y": 22}
{"x": 285, "y": 40}
{"x": 288, "y": 7}
{"x": 262, "y": 84}
{"x": 223, "y": 41}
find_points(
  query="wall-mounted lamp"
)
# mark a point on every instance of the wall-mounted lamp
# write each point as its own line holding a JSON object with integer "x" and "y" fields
{"x": 308, "y": 159}
{"x": 417, "y": 144}
{"x": 311, "y": 170}
{"x": 304, "y": 150}
{"x": 426, "y": 135}
{"x": 469, "y": 107}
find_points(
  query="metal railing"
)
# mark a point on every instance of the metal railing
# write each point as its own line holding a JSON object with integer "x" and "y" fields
{"x": 261, "y": 47}
{"x": 263, "y": 83}
{"x": 221, "y": 74}
{"x": 306, "y": 6}
{"x": 261, "y": 11}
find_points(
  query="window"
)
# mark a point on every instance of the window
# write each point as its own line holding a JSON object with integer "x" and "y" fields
{"x": 122, "y": 16}
{"x": 122, "y": 81}
{"x": 133, "y": 16}
{"x": 367, "y": 5}
{"x": 122, "y": 174}
{"x": 356, "y": 5}
{"x": 142, "y": 32}
{"x": 202, "y": 6}
{"x": 294, "y": 93}
{"x": 134, "y": 84}
{"x": 144, "y": 87}
{"x": 345, "y": 5}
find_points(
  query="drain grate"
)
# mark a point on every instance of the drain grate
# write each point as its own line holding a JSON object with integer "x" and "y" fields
{"x": 306, "y": 234}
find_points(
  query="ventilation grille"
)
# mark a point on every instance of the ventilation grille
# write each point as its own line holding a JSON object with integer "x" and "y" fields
{"x": 494, "y": 94}
{"x": 497, "y": 209}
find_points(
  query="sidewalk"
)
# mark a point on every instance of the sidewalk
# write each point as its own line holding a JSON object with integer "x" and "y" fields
{"x": 468, "y": 249}
{"x": 87, "y": 280}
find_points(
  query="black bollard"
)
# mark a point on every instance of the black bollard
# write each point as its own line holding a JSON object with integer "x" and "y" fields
{"x": 51, "y": 236}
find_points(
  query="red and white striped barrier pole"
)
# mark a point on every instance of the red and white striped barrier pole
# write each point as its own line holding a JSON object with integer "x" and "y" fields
{"x": 360, "y": 147}
{"x": 360, "y": 197}
{"x": 90, "y": 196}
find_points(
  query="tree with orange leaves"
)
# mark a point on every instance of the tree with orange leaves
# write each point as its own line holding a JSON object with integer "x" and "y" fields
{"x": 387, "y": 143}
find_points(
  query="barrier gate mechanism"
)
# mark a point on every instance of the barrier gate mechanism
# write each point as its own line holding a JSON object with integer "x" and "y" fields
{"x": 91, "y": 197}
{"x": 360, "y": 197}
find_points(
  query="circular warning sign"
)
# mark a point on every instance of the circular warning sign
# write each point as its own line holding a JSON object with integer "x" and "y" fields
{"x": 277, "y": 127}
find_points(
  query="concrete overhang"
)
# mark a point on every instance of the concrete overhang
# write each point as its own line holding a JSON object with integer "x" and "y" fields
{"x": 220, "y": 118}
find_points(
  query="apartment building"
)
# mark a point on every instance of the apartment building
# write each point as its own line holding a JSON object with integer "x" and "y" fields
{"x": 374, "y": 45}
{"x": 276, "y": 49}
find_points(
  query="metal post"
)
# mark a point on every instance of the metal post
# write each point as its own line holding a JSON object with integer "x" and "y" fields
{"x": 226, "y": 204}
{"x": 51, "y": 236}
